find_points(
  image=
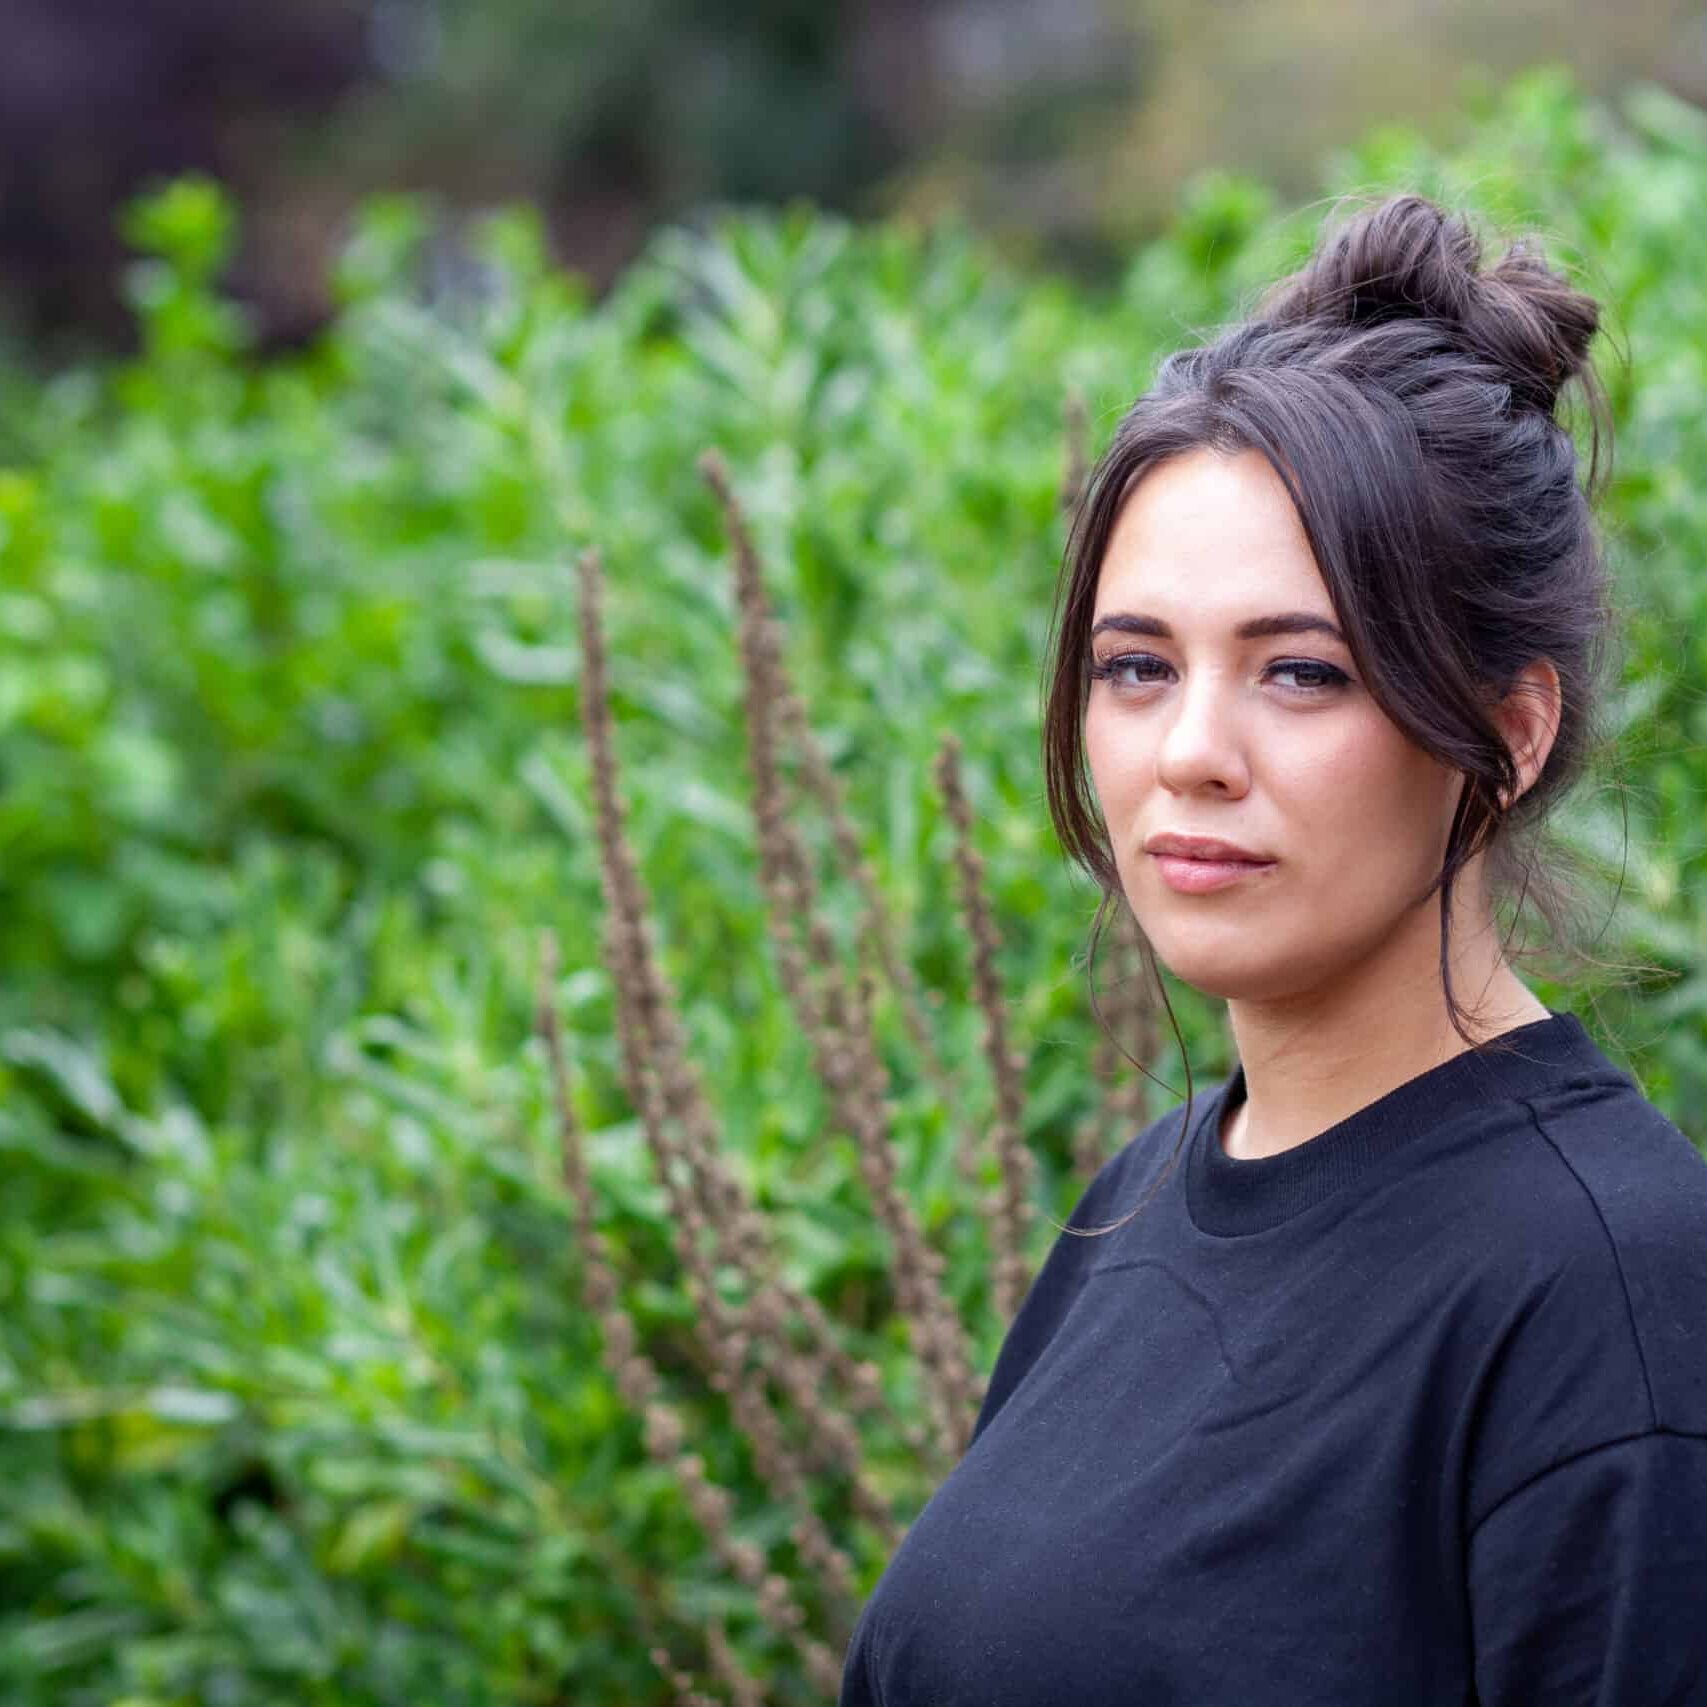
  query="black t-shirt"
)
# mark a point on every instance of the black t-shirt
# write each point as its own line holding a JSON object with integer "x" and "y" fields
{"x": 1414, "y": 1412}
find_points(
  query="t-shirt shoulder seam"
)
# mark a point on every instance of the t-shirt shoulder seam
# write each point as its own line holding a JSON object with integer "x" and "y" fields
{"x": 1655, "y": 1433}
{"x": 1617, "y": 1257}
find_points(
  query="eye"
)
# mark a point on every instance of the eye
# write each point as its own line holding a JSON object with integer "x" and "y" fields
{"x": 1320, "y": 679}
{"x": 1109, "y": 669}
{"x": 1327, "y": 678}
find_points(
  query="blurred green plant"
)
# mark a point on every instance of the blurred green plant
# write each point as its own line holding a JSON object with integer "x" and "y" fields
{"x": 301, "y": 1399}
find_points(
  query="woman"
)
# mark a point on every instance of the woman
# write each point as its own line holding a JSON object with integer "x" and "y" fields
{"x": 1394, "y": 1388}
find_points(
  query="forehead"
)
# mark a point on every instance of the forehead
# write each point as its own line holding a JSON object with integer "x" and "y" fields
{"x": 1205, "y": 532}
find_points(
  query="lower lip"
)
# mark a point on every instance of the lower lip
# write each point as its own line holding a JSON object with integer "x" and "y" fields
{"x": 1199, "y": 876}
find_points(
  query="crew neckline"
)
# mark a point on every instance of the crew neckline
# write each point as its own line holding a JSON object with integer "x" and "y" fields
{"x": 1227, "y": 1195}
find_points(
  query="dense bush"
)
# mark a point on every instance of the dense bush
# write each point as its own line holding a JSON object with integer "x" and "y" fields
{"x": 301, "y": 1399}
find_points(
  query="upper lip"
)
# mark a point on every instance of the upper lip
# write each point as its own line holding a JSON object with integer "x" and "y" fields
{"x": 1201, "y": 847}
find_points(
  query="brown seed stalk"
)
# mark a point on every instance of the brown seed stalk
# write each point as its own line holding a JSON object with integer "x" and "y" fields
{"x": 1123, "y": 1109}
{"x": 877, "y": 934}
{"x": 727, "y": 1668}
{"x": 838, "y": 1027}
{"x": 1018, "y": 1170}
{"x": 693, "y": 1153}
{"x": 706, "y": 1212}
{"x": 636, "y": 1376}
{"x": 680, "y": 1681}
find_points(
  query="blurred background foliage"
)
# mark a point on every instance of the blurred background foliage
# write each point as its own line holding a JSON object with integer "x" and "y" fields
{"x": 297, "y": 1401}
{"x": 1062, "y": 130}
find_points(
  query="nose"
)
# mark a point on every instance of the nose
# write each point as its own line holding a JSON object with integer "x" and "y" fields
{"x": 1201, "y": 746}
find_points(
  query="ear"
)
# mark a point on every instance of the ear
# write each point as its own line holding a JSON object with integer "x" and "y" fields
{"x": 1528, "y": 717}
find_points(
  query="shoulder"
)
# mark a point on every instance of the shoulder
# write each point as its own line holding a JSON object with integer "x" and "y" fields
{"x": 1591, "y": 1284}
{"x": 1624, "y": 1178}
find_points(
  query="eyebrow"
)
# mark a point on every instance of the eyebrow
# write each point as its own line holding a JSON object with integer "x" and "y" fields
{"x": 1258, "y": 628}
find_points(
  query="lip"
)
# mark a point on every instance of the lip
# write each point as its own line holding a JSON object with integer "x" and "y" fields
{"x": 1197, "y": 865}
{"x": 1202, "y": 848}
{"x": 1200, "y": 876}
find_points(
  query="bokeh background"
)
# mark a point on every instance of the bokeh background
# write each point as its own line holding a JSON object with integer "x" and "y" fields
{"x": 332, "y": 337}
{"x": 1063, "y": 129}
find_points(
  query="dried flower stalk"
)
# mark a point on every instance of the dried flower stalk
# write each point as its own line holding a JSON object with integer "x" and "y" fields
{"x": 680, "y": 1681}
{"x": 726, "y": 1665}
{"x": 1011, "y": 1205}
{"x": 700, "y": 1220}
{"x": 877, "y": 935}
{"x": 636, "y": 1376}
{"x": 718, "y": 1204}
{"x": 1130, "y": 1014}
{"x": 704, "y": 1203}
{"x": 839, "y": 1031}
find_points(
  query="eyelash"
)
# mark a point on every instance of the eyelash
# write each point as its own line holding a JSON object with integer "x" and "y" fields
{"x": 1104, "y": 669}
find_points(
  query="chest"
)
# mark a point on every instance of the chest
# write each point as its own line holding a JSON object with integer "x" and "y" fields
{"x": 1202, "y": 1490}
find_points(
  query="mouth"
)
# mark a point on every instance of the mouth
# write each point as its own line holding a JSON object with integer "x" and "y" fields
{"x": 1201, "y": 876}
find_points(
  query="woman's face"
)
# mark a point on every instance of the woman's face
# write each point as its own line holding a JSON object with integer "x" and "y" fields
{"x": 1270, "y": 742}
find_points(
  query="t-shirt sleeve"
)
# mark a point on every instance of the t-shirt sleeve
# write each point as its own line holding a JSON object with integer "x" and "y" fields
{"x": 1588, "y": 1585}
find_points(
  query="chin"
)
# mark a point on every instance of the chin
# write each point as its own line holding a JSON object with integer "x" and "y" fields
{"x": 1226, "y": 985}
{"x": 1237, "y": 964}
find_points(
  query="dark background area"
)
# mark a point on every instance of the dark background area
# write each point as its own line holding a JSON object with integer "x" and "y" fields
{"x": 1062, "y": 128}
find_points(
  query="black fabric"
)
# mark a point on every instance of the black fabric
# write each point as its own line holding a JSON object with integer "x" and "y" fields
{"x": 1414, "y": 1412}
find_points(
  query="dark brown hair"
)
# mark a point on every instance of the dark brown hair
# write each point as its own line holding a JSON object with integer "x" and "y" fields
{"x": 1408, "y": 398}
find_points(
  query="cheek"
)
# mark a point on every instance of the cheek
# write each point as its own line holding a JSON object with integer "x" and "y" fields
{"x": 1368, "y": 820}
{"x": 1118, "y": 755}
{"x": 1364, "y": 807}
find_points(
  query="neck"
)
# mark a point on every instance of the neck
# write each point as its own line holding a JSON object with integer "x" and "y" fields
{"x": 1313, "y": 1058}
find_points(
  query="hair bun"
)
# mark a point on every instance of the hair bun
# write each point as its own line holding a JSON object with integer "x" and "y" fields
{"x": 1407, "y": 257}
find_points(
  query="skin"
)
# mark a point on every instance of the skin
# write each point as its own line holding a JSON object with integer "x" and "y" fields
{"x": 1327, "y": 961}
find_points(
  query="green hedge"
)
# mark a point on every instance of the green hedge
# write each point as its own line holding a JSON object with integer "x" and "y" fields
{"x": 299, "y": 1402}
